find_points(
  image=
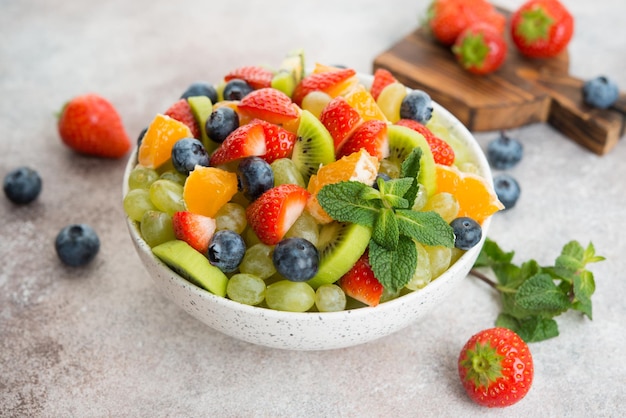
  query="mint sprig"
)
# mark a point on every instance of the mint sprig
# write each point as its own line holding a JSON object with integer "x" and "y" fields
{"x": 395, "y": 226}
{"x": 533, "y": 295}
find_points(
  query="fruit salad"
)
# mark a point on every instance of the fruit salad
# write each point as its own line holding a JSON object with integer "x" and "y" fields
{"x": 306, "y": 191}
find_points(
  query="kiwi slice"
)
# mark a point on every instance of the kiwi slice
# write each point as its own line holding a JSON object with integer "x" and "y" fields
{"x": 340, "y": 245}
{"x": 294, "y": 63}
{"x": 314, "y": 146}
{"x": 402, "y": 140}
{"x": 284, "y": 81}
{"x": 192, "y": 265}
{"x": 201, "y": 107}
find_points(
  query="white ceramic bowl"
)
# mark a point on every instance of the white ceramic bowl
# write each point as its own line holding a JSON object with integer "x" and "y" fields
{"x": 312, "y": 330}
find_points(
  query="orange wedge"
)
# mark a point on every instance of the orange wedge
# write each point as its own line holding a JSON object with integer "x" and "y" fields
{"x": 207, "y": 189}
{"x": 363, "y": 102}
{"x": 475, "y": 195}
{"x": 162, "y": 134}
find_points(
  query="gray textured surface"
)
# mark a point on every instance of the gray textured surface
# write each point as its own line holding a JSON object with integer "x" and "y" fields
{"x": 101, "y": 341}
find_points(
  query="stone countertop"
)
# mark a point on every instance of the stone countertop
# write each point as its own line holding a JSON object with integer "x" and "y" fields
{"x": 101, "y": 341}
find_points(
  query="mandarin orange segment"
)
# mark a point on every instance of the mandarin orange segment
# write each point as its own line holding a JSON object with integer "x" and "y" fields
{"x": 358, "y": 166}
{"x": 363, "y": 102}
{"x": 207, "y": 189}
{"x": 475, "y": 195}
{"x": 162, "y": 134}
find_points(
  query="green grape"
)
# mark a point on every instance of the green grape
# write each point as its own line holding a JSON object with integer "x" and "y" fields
{"x": 136, "y": 203}
{"x": 439, "y": 258}
{"x": 391, "y": 168}
{"x": 315, "y": 102}
{"x": 258, "y": 261}
{"x": 156, "y": 228}
{"x": 420, "y": 198}
{"x": 286, "y": 172}
{"x": 469, "y": 167}
{"x": 445, "y": 204}
{"x": 250, "y": 237}
{"x": 330, "y": 298}
{"x": 231, "y": 216}
{"x": 142, "y": 177}
{"x": 305, "y": 227}
{"x": 456, "y": 253}
{"x": 167, "y": 196}
{"x": 389, "y": 295}
{"x": 285, "y": 295}
{"x": 422, "y": 275}
{"x": 174, "y": 176}
{"x": 246, "y": 288}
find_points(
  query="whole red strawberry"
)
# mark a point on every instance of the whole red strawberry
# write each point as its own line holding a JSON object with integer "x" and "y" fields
{"x": 480, "y": 48}
{"x": 496, "y": 367}
{"x": 542, "y": 28}
{"x": 90, "y": 125}
{"x": 448, "y": 18}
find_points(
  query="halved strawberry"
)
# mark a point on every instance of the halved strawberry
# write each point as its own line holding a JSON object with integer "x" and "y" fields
{"x": 340, "y": 119}
{"x": 181, "y": 111}
{"x": 275, "y": 211}
{"x": 371, "y": 135}
{"x": 279, "y": 142}
{"x": 196, "y": 230}
{"x": 382, "y": 78}
{"x": 258, "y": 77}
{"x": 360, "y": 283}
{"x": 324, "y": 81}
{"x": 270, "y": 105}
{"x": 443, "y": 153}
{"x": 245, "y": 141}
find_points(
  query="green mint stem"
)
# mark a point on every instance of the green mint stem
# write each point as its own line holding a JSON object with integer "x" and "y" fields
{"x": 490, "y": 282}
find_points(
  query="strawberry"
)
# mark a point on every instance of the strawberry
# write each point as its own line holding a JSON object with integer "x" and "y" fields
{"x": 324, "y": 81}
{"x": 340, "y": 119}
{"x": 270, "y": 105}
{"x": 480, "y": 48}
{"x": 275, "y": 211}
{"x": 258, "y": 77}
{"x": 196, "y": 230}
{"x": 541, "y": 28}
{"x": 360, "y": 283}
{"x": 442, "y": 152}
{"x": 181, "y": 111}
{"x": 279, "y": 142}
{"x": 371, "y": 135}
{"x": 496, "y": 367}
{"x": 448, "y": 18}
{"x": 89, "y": 124}
{"x": 382, "y": 78}
{"x": 245, "y": 141}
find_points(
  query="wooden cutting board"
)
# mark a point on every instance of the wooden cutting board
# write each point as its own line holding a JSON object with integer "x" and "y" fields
{"x": 521, "y": 92}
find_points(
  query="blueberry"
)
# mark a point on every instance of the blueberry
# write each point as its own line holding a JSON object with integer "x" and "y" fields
{"x": 600, "y": 92}
{"x": 297, "y": 259}
{"x": 467, "y": 232}
{"x": 200, "y": 88}
{"x": 226, "y": 250}
{"x": 221, "y": 123}
{"x": 507, "y": 189}
{"x": 76, "y": 245}
{"x": 417, "y": 105}
{"x": 22, "y": 185}
{"x": 255, "y": 177}
{"x": 187, "y": 153}
{"x": 504, "y": 152}
{"x": 383, "y": 176}
{"x": 236, "y": 89}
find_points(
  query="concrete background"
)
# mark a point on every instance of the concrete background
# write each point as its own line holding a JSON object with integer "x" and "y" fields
{"x": 101, "y": 341}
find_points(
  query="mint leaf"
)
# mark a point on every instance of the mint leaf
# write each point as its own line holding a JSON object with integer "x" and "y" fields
{"x": 532, "y": 329}
{"x": 385, "y": 231}
{"x": 411, "y": 169}
{"x": 540, "y": 294}
{"x": 344, "y": 202}
{"x": 427, "y": 228}
{"x": 397, "y": 187}
{"x": 491, "y": 254}
{"x": 583, "y": 286}
{"x": 393, "y": 269}
{"x": 584, "y": 307}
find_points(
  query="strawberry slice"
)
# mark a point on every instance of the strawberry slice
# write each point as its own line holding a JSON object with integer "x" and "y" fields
{"x": 371, "y": 135}
{"x": 258, "y": 77}
{"x": 360, "y": 283}
{"x": 326, "y": 81}
{"x": 275, "y": 211}
{"x": 181, "y": 111}
{"x": 340, "y": 119}
{"x": 382, "y": 78}
{"x": 279, "y": 142}
{"x": 270, "y": 105}
{"x": 443, "y": 153}
{"x": 245, "y": 141}
{"x": 196, "y": 230}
